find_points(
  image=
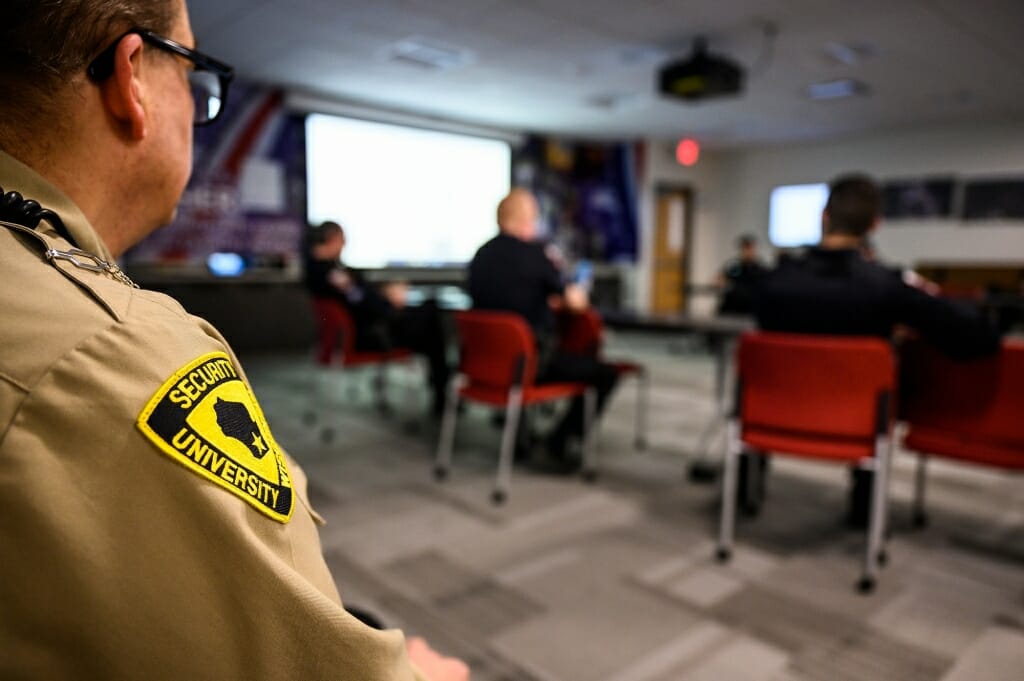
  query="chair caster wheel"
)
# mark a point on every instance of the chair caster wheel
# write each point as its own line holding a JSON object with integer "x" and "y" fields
{"x": 883, "y": 558}
{"x": 498, "y": 497}
{"x": 641, "y": 445}
{"x": 723, "y": 555}
{"x": 750, "y": 510}
{"x": 866, "y": 585}
{"x": 440, "y": 473}
{"x": 589, "y": 476}
{"x": 327, "y": 436}
{"x": 702, "y": 472}
{"x": 920, "y": 520}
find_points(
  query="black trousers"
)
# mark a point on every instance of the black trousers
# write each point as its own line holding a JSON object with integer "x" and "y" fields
{"x": 422, "y": 330}
{"x": 578, "y": 369}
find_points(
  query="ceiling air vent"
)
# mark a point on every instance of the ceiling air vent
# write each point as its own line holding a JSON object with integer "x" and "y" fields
{"x": 430, "y": 54}
{"x": 616, "y": 102}
{"x": 837, "y": 89}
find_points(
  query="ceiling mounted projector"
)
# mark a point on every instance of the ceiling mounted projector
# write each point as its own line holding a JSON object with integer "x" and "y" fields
{"x": 701, "y": 76}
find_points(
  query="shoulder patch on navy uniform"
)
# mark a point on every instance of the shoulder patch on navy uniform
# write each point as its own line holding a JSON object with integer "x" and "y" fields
{"x": 206, "y": 418}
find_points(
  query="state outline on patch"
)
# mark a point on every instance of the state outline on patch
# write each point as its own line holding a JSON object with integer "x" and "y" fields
{"x": 206, "y": 418}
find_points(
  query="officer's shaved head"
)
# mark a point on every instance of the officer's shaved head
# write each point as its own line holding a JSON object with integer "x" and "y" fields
{"x": 517, "y": 214}
{"x": 46, "y": 45}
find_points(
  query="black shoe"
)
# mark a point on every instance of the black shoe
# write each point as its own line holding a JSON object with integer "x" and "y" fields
{"x": 556, "y": 446}
{"x": 523, "y": 451}
{"x": 552, "y": 466}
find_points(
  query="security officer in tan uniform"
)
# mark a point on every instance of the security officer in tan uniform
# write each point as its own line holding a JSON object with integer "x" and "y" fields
{"x": 150, "y": 526}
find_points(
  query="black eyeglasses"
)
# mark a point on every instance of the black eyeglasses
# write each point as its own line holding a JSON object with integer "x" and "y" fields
{"x": 208, "y": 79}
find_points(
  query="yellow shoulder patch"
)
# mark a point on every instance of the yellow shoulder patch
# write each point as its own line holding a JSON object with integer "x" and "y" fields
{"x": 206, "y": 418}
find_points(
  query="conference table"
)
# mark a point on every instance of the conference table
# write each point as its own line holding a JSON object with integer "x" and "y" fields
{"x": 722, "y": 332}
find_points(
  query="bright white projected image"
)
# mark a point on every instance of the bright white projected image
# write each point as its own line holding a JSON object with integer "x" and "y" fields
{"x": 794, "y": 217}
{"x": 405, "y": 196}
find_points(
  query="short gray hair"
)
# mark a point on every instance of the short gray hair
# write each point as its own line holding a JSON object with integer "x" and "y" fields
{"x": 45, "y": 43}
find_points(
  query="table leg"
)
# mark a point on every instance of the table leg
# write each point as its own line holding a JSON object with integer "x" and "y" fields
{"x": 704, "y": 467}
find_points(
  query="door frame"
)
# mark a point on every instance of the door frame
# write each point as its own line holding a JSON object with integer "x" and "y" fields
{"x": 662, "y": 189}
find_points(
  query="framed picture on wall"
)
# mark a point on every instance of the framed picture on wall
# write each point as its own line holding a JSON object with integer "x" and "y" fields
{"x": 994, "y": 199}
{"x": 918, "y": 198}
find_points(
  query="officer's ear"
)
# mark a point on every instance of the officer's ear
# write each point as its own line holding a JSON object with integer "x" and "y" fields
{"x": 122, "y": 92}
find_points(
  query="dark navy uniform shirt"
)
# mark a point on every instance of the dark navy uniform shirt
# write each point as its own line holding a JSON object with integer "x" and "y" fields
{"x": 513, "y": 275}
{"x": 838, "y": 292}
{"x": 370, "y": 310}
{"x": 741, "y": 279}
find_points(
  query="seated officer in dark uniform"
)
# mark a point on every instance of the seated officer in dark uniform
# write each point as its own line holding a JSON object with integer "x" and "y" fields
{"x": 739, "y": 277}
{"x": 834, "y": 289}
{"x": 382, "y": 319}
{"x": 511, "y": 272}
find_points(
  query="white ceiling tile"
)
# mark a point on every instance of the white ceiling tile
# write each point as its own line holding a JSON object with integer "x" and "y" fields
{"x": 541, "y": 64}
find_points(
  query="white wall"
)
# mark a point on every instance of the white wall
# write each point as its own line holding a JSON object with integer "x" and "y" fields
{"x": 732, "y": 190}
{"x": 708, "y": 185}
{"x": 962, "y": 151}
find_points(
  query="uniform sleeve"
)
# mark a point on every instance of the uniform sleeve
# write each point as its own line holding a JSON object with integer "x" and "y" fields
{"x": 126, "y": 564}
{"x": 473, "y": 283}
{"x": 550, "y": 276}
{"x": 955, "y": 328}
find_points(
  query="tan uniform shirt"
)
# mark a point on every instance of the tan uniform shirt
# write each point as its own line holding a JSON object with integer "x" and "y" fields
{"x": 150, "y": 528}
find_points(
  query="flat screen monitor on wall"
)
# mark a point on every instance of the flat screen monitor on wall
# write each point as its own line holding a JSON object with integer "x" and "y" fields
{"x": 407, "y": 197}
{"x": 794, "y": 217}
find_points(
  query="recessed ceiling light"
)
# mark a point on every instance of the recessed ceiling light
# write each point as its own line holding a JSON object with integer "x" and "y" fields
{"x": 837, "y": 89}
{"x": 641, "y": 55}
{"x": 430, "y": 54}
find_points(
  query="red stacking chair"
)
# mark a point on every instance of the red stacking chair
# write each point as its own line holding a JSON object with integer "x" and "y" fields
{"x": 498, "y": 365}
{"x": 336, "y": 343}
{"x": 823, "y": 397}
{"x": 582, "y": 333}
{"x": 971, "y": 411}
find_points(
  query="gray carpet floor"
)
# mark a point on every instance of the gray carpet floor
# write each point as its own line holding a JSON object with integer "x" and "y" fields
{"x": 615, "y": 580}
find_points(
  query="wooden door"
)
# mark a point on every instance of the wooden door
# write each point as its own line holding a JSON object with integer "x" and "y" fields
{"x": 671, "y": 247}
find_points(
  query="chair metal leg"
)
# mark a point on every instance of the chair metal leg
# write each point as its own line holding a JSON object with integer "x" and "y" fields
{"x": 380, "y": 384}
{"x": 590, "y": 426}
{"x": 447, "y": 439}
{"x": 702, "y": 450}
{"x": 322, "y": 409}
{"x": 643, "y": 397}
{"x": 410, "y": 386}
{"x": 920, "y": 518}
{"x": 350, "y": 381}
{"x": 876, "y": 527}
{"x": 727, "y": 521}
{"x": 883, "y": 552}
{"x": 318, "y": 394}
{"x": 413, "y": 371}
{"x": 508, "y": 444}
